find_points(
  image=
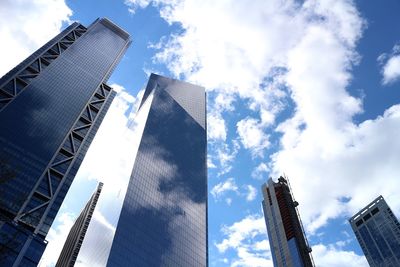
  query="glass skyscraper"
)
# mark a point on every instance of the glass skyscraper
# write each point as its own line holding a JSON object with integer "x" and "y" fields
{"x": 77, "y": 233}
{"x": 288, "y": 243}
{"x": 378, "y": 232}
{"x": 163, "y": 215}
{"x": 51, "y": 106}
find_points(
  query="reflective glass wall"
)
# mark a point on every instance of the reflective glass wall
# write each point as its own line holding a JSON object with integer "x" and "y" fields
{"x": 378, "y": 233}
{"x": 163, "y": 221}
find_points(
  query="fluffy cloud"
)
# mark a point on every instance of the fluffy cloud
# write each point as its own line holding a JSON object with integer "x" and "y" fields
{"x": 304, "y": 52}
{"x": 363, "y": 155}
{"x": 118, "y": 122}
{"x": 221, "y": 188}
{"x": 260, "y": 172}
{"x": 251, "y": 192}
{"x": 247, "y": 238}
{"x": 300, "y": 53}
{"x": 330, "y": 256}
{"x": 216, "y": 128}
{"x": 391, "y": 70}
{"x": 225, "y": 154}
{"x": 391, "y": 66}
{"x": 321, "y": 128}
{"x": 252, "y": 136}
{"x": 135, "y": 4}
{"x": 21, "y": 35}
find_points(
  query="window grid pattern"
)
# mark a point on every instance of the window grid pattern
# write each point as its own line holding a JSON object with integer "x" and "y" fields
{"x": 35, "y": 64}
{"x": 163, "y": 220}
{"x": 378, "y": 233}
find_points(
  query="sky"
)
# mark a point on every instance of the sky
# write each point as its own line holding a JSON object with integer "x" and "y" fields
{"x": 309, "y": 89}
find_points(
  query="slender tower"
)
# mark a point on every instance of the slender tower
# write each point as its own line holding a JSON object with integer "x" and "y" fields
{"x": 51, "y": 106}
{"x": 289, "y": 246}
{"x": 378, "y": 232}
{"x": 163, "y": 221}
{"x": 77, "y": 233}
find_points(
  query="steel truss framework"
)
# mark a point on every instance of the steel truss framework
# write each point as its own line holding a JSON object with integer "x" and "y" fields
{"x": 39, "y": 202}
{"x": 13, "y": 86}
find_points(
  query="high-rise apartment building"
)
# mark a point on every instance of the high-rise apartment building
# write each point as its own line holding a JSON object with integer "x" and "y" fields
{"x": 163, "y": 221}
{"x": 288, "y": 243}
{"x": 77, "y": 233}
{"x": 378, "y": 232}
{"x": 51, "y": 106}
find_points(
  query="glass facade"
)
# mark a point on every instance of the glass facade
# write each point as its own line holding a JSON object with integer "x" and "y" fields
{"x": 51, "y": 106}
{"x": 378, "y": 233}
{"x": 163, "y": 221}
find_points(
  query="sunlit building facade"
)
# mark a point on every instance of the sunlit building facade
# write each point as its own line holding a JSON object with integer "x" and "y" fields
{"x": 51, "y": 106}
{"x": 288, "y": 243}
{"x": 378, "y": 233}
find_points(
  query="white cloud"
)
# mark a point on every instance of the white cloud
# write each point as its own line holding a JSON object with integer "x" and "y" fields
{"x": 251, "y": 192}
{"x": 302, "y": 51}
{"x": 313, "y": 45}
{"x": 362, "y": 156}
{"x": 390, "y": 63}
{"x": 216, "y": 128}
{"x": 56, "y": 238}
{"x": 260, "y": 172}
{"x": 329, "y": 256}
{"x": 391, "y": 68}
{"x": 221, "y": 188}
{"x": 27, "y": 25}
{"x": 229, "y": 185}
{"x": 261, "y": 245}
{"x": 247, "y": 238}
{"x": 210, "y": 163}
{"x": 98, "y": 165}
{"x": 225, "y": 154}
{"x": 252, "y": 136}
{"x": 135, "y": 4}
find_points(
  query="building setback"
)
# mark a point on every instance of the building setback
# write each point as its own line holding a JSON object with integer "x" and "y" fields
{"x": 72, "y": 245}
{"x": 378, "y": 233}
{"x": 51, "y": 106}
{"x": 288, "y": 243}
{"x": 163, "y": 221}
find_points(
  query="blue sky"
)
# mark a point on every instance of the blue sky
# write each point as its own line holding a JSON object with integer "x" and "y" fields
{"x": 306, "y": 88}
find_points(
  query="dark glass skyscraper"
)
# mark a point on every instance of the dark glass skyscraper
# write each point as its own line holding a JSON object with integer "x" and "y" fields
{"x": 51, "y": 106}
{"x": 72, "y": 245}
{"x": 378, "y": 232}
{"x": 163, "y": 221}
{"x": 288, "y": 243}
